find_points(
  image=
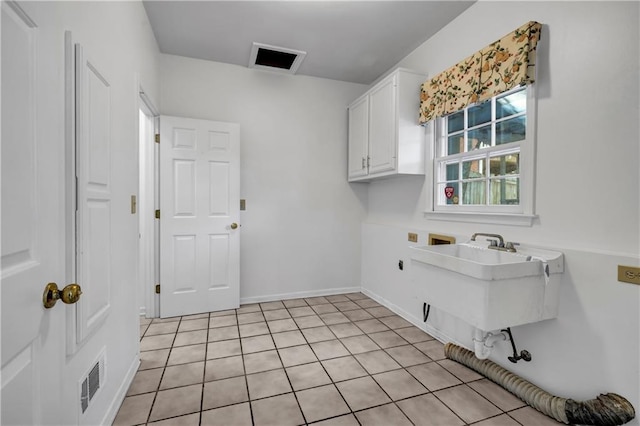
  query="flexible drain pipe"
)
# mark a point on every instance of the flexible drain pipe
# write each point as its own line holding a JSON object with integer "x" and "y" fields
{"x": 606, "y": 410}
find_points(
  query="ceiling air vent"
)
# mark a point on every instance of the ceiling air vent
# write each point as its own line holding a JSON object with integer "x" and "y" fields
{"x": 281, "y": 59}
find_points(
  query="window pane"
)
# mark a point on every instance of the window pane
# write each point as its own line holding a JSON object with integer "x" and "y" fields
{"x": 505, "y": 191}
{"x": 512, "y": 104}
{"x": 479, "y": 138}
{"x": 455, "y": 144}
{"x": 485, "y": 141}
{"x": 455, "y": 122}
{"x": 511, "y": 130}
{"x": 473, "y": 192}
{"x": 452, "y": 171}
{"x": 479, "y": 114}
{"x": 473, "y": 169}
{"x": 504, "y": 165}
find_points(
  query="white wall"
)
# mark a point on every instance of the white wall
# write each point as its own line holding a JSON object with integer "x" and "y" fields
{"x": 587, "y": 195}
{"x": 301, "y": 229}
{"x": 118, "y": 38}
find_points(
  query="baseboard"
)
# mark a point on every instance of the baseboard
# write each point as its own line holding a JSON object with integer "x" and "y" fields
{"x": 114, "y": 407}
{"x": 418, "y": 322}
{"x": 298, "y": 295}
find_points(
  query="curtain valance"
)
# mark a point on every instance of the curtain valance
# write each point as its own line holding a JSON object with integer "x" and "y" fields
{"x": 503, "y": 65}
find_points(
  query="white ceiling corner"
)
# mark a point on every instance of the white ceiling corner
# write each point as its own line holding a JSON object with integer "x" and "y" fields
{"x": 354, "y": 41}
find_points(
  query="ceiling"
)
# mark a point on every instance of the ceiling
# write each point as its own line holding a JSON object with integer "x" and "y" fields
{"x": 354, "y": 41}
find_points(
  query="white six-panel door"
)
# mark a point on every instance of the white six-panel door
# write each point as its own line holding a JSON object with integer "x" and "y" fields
{"x": 32, "y": 337}
{"x": 199, "y": 216}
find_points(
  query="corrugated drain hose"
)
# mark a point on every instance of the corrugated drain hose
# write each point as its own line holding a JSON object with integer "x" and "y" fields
{"x": 605, "y": 410}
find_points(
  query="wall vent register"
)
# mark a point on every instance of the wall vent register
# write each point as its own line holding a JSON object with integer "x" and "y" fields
{"x": 92, "y": 382}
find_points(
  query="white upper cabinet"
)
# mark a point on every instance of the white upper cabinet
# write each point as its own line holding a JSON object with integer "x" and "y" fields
{"x": 358, "y": 137}
{"x": 385, "y": 138}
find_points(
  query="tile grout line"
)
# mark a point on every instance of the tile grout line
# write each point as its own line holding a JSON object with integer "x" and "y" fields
{"x": 308, "y": 344}
{"x": 167, "y": 365}
{"x": 401, "y": 366}
{"x": 327, "y": 373}
{"x": 244, "y": 369}
{"x": 325, "y": 370}
{"x": 353, "y": 356}
{"x": 449, "y": 408}
{"x": 371, "y": 375}
{"x": 363, "y": 367}
{"x": 164, "y": 369}
{"x": 466, "y": 383}
{"x": 204, "y": 369}
{"x": 284, "y": 369}
{"x": 350, "y": 354}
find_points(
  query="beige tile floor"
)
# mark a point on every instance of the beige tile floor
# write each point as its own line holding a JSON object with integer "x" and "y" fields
{"x": 333, "y": 360}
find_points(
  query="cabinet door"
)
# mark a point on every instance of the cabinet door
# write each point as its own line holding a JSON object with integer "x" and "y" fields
{"x": 382, "y": 127}
{"x": 358, "y": 137}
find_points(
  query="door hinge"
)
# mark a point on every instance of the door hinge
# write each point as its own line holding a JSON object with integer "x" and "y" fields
{"x": 157, "y": 288}
{"x": 157, "y": 138}
{"x": 157, "y": 214}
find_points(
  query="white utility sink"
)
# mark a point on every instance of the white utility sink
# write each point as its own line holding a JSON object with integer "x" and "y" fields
{"x": 490, "y": 289}
{"x": 480, "y": 262}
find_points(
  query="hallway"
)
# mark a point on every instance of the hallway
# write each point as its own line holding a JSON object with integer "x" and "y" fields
{"x": 333, "y": 360}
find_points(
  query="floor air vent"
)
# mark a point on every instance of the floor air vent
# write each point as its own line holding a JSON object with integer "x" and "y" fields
{"x": 92, "y": 382}
{"x": 281, "y": 59}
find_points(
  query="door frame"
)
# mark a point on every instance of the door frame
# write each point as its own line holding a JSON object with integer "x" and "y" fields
{"x": 147, "y": 203}
{"x": 70, "y": 184}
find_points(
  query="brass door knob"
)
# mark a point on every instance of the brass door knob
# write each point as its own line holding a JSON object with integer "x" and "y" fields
{"x": 234, "y": 225}
{"x": 69, "y": 294}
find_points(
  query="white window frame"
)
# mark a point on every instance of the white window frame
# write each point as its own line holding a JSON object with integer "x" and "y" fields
{"x": 522, "y": 214}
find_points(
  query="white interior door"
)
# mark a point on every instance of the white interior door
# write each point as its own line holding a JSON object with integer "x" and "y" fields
{"x": 32, "y": 337}
{"x": 199, "y": 216}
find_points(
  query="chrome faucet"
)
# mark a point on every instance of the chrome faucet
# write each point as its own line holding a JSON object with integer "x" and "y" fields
{"x": 496, "y": 245}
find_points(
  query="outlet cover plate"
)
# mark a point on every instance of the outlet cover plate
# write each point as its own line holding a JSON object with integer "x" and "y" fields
{"x": 629, "y": 274}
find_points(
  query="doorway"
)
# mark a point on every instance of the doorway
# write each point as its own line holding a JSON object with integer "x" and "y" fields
{"x": 193, "y": 179}
{"x": 148, "y": 300}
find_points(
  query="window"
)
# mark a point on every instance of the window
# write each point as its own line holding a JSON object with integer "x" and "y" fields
{"x": 484, "y": 157}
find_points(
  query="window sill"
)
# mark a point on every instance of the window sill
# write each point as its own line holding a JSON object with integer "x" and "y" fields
{"x": 514, "y": 219}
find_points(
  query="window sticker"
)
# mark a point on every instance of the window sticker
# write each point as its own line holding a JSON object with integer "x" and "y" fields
{"x": 448, "y": 191}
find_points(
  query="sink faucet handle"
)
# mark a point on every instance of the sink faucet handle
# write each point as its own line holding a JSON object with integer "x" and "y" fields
{"x": 493, "y": 243}
{"x": 511, "y": 246}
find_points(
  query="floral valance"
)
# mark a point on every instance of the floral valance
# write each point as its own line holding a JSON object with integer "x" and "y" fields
{"x": 503, "y": 65}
